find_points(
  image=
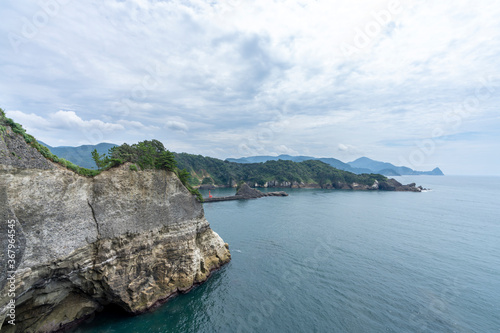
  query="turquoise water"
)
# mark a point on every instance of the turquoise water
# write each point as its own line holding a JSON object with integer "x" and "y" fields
{"x": 344, "y": 261}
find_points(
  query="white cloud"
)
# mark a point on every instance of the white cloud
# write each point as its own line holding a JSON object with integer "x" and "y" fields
{"x": 230, "y": 72}
{"x": 29, "y": 121}
{"x": 282, "y": 149}
{"x": 343, "y": 147}
{"x": 135, "y": 125}
{"x": 80, "y": 131}
{"x": 69, "y": 119}
{"x": 177, "y": 126}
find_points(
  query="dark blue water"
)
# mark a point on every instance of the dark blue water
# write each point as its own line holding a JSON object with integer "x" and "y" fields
{"x": 344, "y": 261}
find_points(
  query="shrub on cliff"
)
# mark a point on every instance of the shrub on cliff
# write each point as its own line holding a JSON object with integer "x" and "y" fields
{"x": 166, "y": 161}
{"x": 100, "y": 160}
{"x": 104, "y": 162}
{"x": 147, "y": 154}
{"x": 152, "y": 155}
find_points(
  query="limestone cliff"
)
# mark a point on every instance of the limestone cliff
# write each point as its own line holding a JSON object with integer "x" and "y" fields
{"x": 123, "y": 237}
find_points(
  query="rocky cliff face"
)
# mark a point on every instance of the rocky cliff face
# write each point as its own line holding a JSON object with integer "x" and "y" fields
{"x": 123, "y": 237}
{"x": 386, "y": 185}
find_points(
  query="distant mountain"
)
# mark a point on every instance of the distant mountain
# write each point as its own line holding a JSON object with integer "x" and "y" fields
{"x": 331, "y": 161}
{"x": 388, "y": 168}
{"x": 361, "y": 165}
{"x": 81, "y": 155}
{"x": 389, "y": 172}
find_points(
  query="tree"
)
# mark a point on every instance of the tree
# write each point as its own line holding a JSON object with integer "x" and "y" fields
{"x": 207, "y": 181}
{"x": 100, "y": 160}
{"x": 184, "y": 176}
{"x": 166, "y": 161}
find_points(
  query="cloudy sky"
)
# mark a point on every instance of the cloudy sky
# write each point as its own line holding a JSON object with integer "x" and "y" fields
{"x": 408, "y": 82}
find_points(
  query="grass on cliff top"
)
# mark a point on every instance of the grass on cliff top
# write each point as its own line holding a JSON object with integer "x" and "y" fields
{"x": 146, "y": 154}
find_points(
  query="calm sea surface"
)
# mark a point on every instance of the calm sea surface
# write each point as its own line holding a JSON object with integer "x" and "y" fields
{"x": 344, "y": 261}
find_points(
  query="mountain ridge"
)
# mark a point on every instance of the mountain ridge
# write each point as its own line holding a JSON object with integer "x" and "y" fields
{"x": 358, "y": 166}
{"x": 80, "y": 155}
{"x": 378, "y": 166}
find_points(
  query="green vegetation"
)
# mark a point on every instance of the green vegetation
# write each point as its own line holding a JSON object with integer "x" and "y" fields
{"x": 100, "y": 160}
{"x": 104, "y": 162}
{"x": 193, "y": 181}
{"x": 221, "y": 172}
{"x": 241, "y": 182}
{"x": 150, "y": 155}
{"x": 311, "y": 171}
{"x": 82, "y": 155}
{"x": 133, "y": 167}
{"x": 207, "y": 181}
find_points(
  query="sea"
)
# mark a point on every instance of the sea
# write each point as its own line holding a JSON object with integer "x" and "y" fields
{"x": 345, "y": 261}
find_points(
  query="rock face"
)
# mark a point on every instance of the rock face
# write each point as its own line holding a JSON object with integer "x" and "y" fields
{"x": 246, "y": 192}
{"x": 386, "y": 185}
{"x": 394, "y": 185}
{"x": 123, "y": 237}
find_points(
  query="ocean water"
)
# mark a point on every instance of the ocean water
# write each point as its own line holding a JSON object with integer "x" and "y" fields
{"x": 345, "y": 261}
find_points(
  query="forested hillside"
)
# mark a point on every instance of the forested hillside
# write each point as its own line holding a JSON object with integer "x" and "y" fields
{"x": 207, "y": 170}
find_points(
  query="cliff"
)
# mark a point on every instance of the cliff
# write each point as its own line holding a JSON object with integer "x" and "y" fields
{"x": 129, "y": 238}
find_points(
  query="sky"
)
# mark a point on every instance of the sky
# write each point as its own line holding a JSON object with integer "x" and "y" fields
{"x": 414, "y": 83}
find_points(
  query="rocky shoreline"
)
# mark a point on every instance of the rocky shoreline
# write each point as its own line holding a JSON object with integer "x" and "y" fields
{"x": 245, "y": 192}
{"x": 387, "y": 185}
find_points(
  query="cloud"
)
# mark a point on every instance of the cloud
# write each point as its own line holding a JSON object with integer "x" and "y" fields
{"x": 282, "y": 149}
{"x": 81, "y": 131}
{"x": 231, "y": 72}
{"x": 135, "y": 125}
{"x": 28, "y": 120}
{"x": 69, "y": 119}
{"x": 62, "y": 120}
{"x": 343, "y": 147}
{"x": 177, "y": 126}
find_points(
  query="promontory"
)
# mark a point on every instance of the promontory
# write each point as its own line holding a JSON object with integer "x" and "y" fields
{"x": 80, "y": 243}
